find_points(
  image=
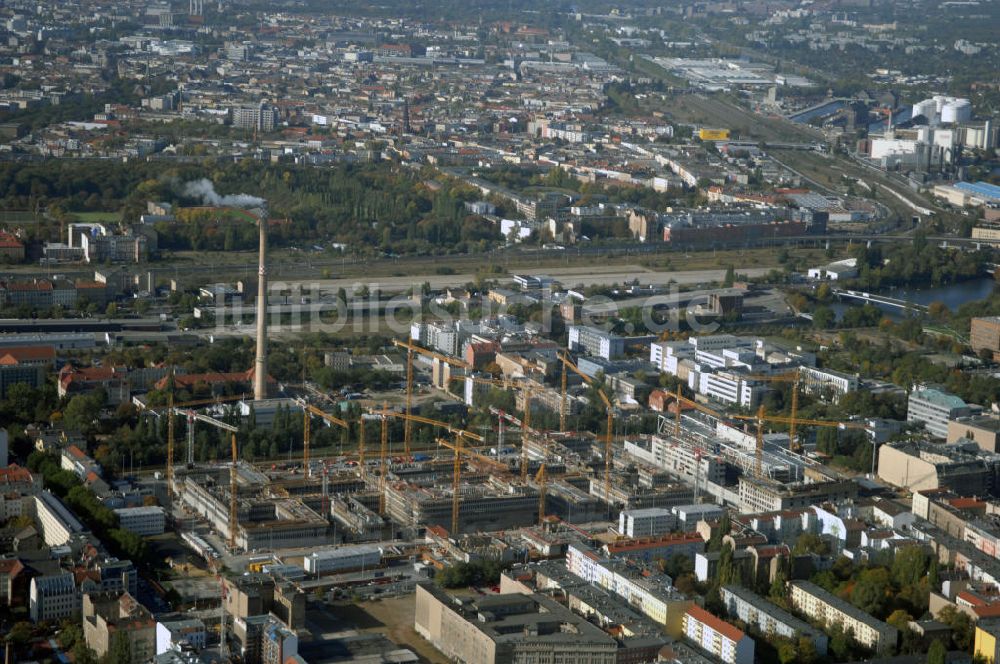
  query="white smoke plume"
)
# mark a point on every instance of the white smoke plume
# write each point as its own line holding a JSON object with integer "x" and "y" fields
{"x": 205, "y": 190}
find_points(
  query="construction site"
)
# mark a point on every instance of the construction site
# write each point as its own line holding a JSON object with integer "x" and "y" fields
{"x": 407, "y": 494}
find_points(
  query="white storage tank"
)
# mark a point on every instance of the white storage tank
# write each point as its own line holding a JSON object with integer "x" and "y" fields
{"x": 957, "y": 110}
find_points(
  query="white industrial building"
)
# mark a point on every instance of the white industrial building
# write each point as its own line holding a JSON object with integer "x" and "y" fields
{"x": 343, "y": 559}
{"x": 144, "y": 521}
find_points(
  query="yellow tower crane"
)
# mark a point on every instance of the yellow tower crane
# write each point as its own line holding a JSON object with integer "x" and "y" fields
{"x": 608, "y": 450}
{"x": 412, "y": 348}
{"x": 308, "y": 410}
{"x": 527, "y": 391}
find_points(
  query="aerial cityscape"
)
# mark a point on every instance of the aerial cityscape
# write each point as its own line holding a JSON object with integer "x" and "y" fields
{"x": 500, "y": 332}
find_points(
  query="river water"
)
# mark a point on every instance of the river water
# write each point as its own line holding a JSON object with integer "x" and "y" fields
{"x": 952, "y": 296}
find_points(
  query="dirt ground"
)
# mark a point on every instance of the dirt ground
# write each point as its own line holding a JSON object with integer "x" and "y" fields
{"x": 394, "y": 618}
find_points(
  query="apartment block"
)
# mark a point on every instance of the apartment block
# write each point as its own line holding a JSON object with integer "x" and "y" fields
{"x": 816, "y": 603}
{"x": 769, "y": 618}
{"x": 717, "y": 637}
{"x": 106, "y": 615}
{"x": 57, "y": 522}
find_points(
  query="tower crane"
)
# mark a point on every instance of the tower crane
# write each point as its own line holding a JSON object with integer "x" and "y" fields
{"x": 171, "y": 410}
{"x": 459, "y": 449}
{"x": 412, "y": 348}
{"x": 527, "y": 391}
{"x": 759, "y": 418}
{"x": 568, "y": 364}
{"x": 308, "y": 410}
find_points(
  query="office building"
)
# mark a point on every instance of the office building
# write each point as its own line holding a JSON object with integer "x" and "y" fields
{"x": 715, "y": 636}
{"x": 646, "y": 522}
{"x": 811, "y": 600}
{"x": 595, "y": 341}
{"x": 508, "y": 628}
{"x": 53, "y": 598}
{"x": 767, "y": 495}
{"x": 934, "y": 408}
{"x": 769, "y": 618}
{"x": 145, "y": 521}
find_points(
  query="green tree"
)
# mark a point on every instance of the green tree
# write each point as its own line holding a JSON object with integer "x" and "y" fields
{"x": 937, "y": 653}
{"x": 823, "y": 318}
{"x": 871, "y": 592}
{"x": 119, "y": 650}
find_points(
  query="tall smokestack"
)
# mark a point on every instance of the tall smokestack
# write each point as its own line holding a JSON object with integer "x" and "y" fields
{"x": 260, "y": 365}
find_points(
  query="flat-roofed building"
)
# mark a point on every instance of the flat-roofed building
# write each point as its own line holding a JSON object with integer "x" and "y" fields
{"x": 961, "y": 467}
{"x": 509, "y": 628}
{"x": 934, "y": 408}
{"x": 769, "y": 618}
{"x": 984, "y": 333}
{"x": 57, "y": 522}
{"x": 646, "y": 522}
{"x": 983, "y": 429}
{"x": 145, "y": 521}
{"x": 766, "y": 495}
{"x": 106, "y": 615}
{"x": 811, "y": 600}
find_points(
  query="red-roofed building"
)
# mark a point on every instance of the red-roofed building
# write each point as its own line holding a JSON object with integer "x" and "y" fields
{"x": 35, "y": 294}
{"x": 478, "y": 355}
{"x": 717, "y": 637}
{"x": 15, "y": 479}
{"x": 14, "y": 579}
{"x": 11, "y": 249}
{"x": 77, "y": 461}
{"x": 24, "y": 364}
{"x": 113, "y": 380}
{"x": 649, "y": 549}
{"x": 216, "y": 382}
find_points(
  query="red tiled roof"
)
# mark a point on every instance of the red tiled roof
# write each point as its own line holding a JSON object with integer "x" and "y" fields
{"x": 719, "y": 625}
{"x": 18, "y": 354}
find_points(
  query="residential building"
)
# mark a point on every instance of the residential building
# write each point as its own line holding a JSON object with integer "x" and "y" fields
{"x": 595, "y": 341}
{"x": 984, "y": 334}
{"x": 642, "y": 588}
{"x": 78, "y": 462}
{"x": 717, "y": 637}
{"x": 53, "y": 598}
{"x": 934, "y": 408}
{"x": 508, "y": 628}
{"x": 14, "y": 583}
{"x": 106, "y": 615}
{"x": 827, "y": 382}
{"x": 648, "y": 549}
{"x": 262, "y": 117}
{"x": 962, "y": 467}
{"x": 11, "y": 248}
{"x": 986, "y": 643}
{"x": 113, "y": 380}
{"x": 145, "y": 521}
{"x": 769, "y": 618}
{"x": 58, "y": 524}
{"x": 819, "y": 605}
